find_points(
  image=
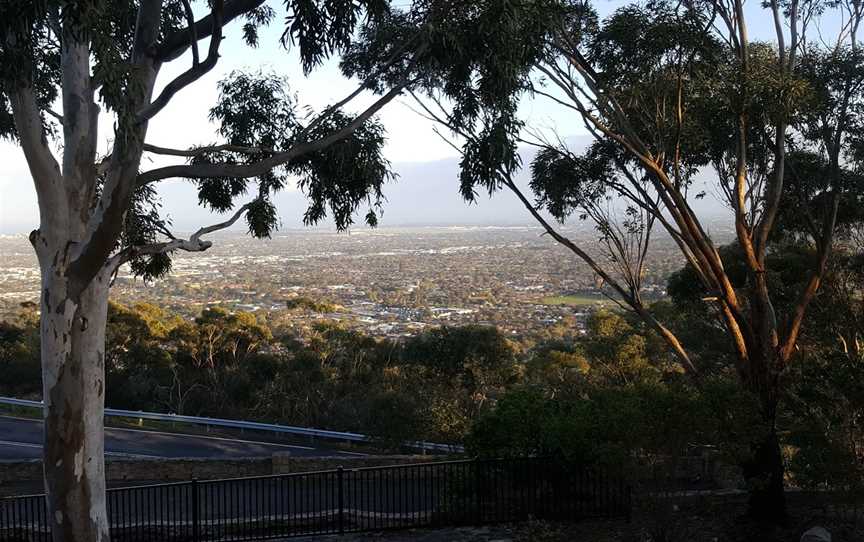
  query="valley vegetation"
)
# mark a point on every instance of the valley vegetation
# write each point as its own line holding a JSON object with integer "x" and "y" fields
{"x": 666, "y": 90}
{"x": 611, "y": 396}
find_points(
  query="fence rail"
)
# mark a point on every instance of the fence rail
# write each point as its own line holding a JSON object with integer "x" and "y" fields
{"x": 342, "y": 501}
{"x": 324, "y": 434}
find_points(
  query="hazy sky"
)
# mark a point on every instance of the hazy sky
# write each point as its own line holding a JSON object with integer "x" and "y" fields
{"x": 427, "y": 187}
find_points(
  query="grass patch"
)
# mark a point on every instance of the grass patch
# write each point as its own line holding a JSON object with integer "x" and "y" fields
{"x": 578, "y": 300}
{"x": 19, "y": 411}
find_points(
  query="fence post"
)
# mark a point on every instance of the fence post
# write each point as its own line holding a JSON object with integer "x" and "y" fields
{"x": 628, "y": 492}
{"x": 477, "y": 493}
{"x": 340, "y": 475}
{"x": 196, "y": 535}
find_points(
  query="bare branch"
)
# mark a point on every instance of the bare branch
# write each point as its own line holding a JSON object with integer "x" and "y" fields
{"x": 559, "y": 101}
{"x": 43, "y": 166}
{"x": 629, "y": 296}
{"x": 193, "y": 35}
{"x": 176, "y": 44}
{"x": 632, "y": 301}
{"x": 193, "y": 244}
{"x": 54, "y": 114}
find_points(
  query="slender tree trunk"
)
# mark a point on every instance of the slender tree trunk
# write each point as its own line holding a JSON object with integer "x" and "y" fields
{"x": 764, "y": 470}
{"x": 764, "y": 474}
{"x": 73, "y": 346}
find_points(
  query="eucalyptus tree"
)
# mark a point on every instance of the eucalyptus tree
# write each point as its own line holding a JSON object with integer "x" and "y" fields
{"x": 779, "y": 125}
{"x": 66, "y": 66}
{"x": 670, "y": 91}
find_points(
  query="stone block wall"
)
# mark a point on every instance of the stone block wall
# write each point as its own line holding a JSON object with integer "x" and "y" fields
{"x": 28, "y": 473}
{"x": 286, "y": 463}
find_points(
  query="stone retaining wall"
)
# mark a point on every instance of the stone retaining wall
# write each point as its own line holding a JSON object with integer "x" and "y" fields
{"x": 286, "y": 463}
{"x": 15, "y": 475}
{"x": 20, "y": 471}
{"x": 180, "y": 469}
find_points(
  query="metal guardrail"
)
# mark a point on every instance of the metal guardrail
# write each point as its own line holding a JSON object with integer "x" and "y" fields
{"x": 324, "y": 434}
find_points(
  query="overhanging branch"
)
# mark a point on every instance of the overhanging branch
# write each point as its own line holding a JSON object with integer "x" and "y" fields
{"x": 629, "y": 295}
{"x": 632, "y": 301}
{"x": 366, "y": 82}
{"x": 198, "y": 151}
{"x": 201, "y": 171}
{"x": 193, "y": 244}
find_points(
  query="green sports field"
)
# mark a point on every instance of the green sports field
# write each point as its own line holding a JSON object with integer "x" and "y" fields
{"x": 574, "y": 300}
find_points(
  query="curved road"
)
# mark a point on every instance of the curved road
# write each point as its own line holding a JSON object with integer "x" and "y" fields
{"x": 22, "y": 439}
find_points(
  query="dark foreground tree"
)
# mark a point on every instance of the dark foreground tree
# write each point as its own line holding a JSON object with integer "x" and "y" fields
{"x": 670, "y": 91}
{"x": 66, "y": 65}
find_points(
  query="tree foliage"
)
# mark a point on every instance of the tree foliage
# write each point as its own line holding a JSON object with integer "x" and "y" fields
{"x": 667, "y": 91}
{"x": 97, "y": 59}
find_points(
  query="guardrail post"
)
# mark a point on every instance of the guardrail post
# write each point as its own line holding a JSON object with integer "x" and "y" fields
{"x": 340, "y": 476}
{"x": 196, "y": 534}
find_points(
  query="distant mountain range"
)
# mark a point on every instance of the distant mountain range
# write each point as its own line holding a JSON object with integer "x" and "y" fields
{"x": 424, "y": 194}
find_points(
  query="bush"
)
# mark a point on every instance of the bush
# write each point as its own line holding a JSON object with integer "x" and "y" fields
{"x": 597, "y": 425}
{"x": 826, "y": 408}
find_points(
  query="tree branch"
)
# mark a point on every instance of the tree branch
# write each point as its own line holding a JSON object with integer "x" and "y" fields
{"x": 80, "y": 118}
{"x": 194, "y": 73}
{"x": 54, "y": 114}
{"x": 193, "y": 35}
{"x": 106, "y": 219}
{"x": 44, "y": 168}
{"x": 176, "y": 44}
{"x": 634, "y": 303}
{"x": 809, "y": 292}
{"x": 198, "y": 171}
{"x": 193, "y": 244}
{"x": 197, "y": 151}
{"x": 675, "y": 202}
{"x": 364, "y": 84}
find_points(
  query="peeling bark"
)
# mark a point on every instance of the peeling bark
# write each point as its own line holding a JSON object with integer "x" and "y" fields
{"x": 81, "y": 221}
{"x": 73, "y": 344}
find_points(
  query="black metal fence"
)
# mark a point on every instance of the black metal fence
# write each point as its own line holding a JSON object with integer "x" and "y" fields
{"x": 341, "y": 501}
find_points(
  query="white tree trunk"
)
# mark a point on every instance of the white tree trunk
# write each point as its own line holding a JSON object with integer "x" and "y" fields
{"x": 73, "y": 346}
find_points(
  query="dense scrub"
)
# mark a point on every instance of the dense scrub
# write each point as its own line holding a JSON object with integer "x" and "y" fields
{"x": 249, "y": 366}
{"x": 611, "y": 393}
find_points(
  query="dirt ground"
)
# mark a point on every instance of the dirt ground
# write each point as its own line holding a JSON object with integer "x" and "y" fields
{"x": 588, "y": 531}
{"x": 534, "y": 531}
{"x": 709, "y": 519}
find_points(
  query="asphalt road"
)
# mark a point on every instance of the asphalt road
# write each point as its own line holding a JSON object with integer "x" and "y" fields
{"x": 22, "y": 439}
